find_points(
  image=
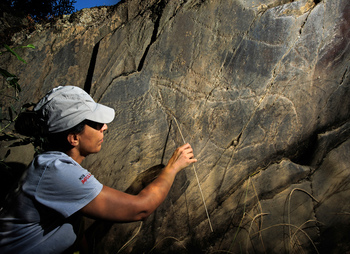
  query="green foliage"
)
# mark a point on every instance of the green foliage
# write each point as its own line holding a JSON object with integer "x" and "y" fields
{"x": 8, "y": 49}
{"x": 11, "y": 79}
{"x": 12, "y": 82}
{"x": 24, "y": 120}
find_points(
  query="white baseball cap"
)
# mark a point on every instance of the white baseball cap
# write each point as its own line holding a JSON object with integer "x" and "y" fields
{"x": 66, "y": 106}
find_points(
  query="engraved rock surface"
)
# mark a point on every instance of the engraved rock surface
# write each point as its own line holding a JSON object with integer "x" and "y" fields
{"x": 259, "y": 88}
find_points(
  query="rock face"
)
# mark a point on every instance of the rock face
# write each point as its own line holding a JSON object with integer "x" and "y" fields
{"x": 259, "y": 88}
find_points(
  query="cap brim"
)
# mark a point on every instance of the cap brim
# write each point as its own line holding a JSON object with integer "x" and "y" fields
{"x": 102, "y": 114}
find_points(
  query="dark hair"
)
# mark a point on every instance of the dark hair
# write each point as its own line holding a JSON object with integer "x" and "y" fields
{"x": 58, "y": 141}
{"x": 30, "y": 125}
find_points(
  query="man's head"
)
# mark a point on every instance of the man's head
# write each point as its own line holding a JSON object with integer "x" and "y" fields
{"x": 65, "y": 113}
{"x": 66, "y": 106}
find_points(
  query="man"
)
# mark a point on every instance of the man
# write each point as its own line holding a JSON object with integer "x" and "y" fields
{"x": 45, "y": 215}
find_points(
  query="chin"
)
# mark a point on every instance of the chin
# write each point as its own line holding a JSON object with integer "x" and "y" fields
{"x": 93, "y": 152}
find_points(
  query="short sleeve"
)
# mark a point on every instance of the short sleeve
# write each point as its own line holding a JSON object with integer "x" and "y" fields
{"x": 66, "y": 187}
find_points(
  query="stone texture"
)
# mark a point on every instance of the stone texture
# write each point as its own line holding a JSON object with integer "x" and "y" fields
{"x": 259, "y": 88}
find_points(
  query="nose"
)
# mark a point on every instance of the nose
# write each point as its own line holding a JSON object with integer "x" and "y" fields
{"x": 104, "y": 127}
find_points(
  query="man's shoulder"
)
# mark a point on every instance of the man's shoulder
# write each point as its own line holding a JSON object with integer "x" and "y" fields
{"x": 54, "y": 158}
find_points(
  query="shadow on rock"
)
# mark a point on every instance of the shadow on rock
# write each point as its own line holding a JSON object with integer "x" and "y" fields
{"x": 100, "y": 228}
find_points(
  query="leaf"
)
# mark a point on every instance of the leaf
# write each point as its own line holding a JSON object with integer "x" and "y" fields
{"x": 14, "y": 53}
{"x": 29, "y": 46}
{"x": 5, "y": 73}
{"x": 7, "y": 153}
{"x": 13, "y": 109}
{"x": 11, "y": 79}
{"x": 17, "y": 86}
{"x": 12, "y": 112}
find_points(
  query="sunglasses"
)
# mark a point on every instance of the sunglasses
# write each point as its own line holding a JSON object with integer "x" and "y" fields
{"x": 95, "y": 125}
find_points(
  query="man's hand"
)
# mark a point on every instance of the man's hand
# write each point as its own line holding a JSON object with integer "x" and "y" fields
{"x": 181, "y": 158}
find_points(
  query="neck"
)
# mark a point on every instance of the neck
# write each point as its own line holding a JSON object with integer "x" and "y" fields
{"x": 75, "y": 155}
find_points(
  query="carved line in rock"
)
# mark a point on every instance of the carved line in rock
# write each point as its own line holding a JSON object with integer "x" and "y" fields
{"x": 218, "y": 79}
{"x": 157, "y": 13}
{"x": 275, "y": 72}
{"x": 161, "y": 105}
{"x": 258, "y": 105}
{"x": 235, "y": 141}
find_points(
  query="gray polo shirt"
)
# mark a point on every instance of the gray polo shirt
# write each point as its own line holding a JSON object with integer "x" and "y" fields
{"x": 42, "y": 218}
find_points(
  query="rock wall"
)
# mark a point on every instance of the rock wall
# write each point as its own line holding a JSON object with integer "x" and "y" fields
{"x": 259, "y": 88}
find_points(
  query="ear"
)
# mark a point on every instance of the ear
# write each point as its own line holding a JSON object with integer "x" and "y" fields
{"x": 73, "y": 139}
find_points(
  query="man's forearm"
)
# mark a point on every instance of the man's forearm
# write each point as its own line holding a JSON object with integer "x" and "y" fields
{"x": 155, "y": 193}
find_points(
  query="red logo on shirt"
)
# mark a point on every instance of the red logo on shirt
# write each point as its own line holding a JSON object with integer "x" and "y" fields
{"x": 84, "y": 178}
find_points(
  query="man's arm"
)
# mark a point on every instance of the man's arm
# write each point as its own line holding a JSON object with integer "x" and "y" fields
{"x": 115, "y": 205}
